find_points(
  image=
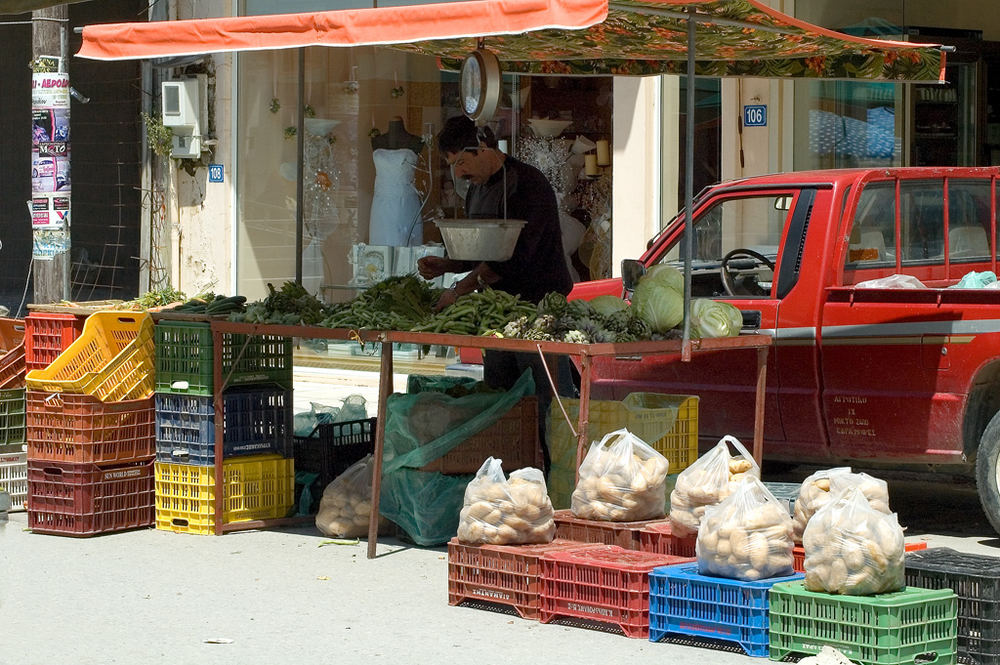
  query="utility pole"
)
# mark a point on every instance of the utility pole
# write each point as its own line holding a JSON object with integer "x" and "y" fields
{"x": 50, "y": 162}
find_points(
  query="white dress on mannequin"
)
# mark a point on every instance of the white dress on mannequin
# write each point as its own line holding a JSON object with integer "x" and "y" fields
{"x": 395, "y": 217}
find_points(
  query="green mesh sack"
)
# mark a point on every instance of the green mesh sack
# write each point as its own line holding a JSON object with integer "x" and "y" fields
{"x": 426, "y": 426}
{"x": 422, "y": 383}
{"x": 424, "y": 504}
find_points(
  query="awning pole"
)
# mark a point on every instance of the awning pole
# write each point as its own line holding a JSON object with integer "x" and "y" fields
{"x": 688, "y": 188}
{"x": 299, "y": 185}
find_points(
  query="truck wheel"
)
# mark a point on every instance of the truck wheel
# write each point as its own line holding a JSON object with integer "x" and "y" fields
{"x": 988, "y": 472}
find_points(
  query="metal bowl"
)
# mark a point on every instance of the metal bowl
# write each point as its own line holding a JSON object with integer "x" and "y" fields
{"x": 480, "y": 239}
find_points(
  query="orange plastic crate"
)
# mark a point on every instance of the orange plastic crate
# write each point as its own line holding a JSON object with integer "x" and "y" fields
{"x": 12, "y": 368}
{"x": 47, "y": 334}
{"x": 660, "y": 538}
{"x": 622, "y": 534}
{"x": 799, "y": 554}
{"x": 11, "y": 334}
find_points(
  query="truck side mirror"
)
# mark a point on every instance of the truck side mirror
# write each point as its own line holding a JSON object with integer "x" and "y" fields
{"x": 632, "y": 272}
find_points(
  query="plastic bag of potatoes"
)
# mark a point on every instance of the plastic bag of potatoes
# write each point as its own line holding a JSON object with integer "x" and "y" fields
{"x": 746, "y": 537}
{"x": 622, "y": 479}
{"x": 875, "y": 490}
{"x": 813, "y": 495}
{"x": 708, "y": 481}
{"x": 498, "y": 511}
{"x": 853, "y": 549}
{"x": 346, "y": 505}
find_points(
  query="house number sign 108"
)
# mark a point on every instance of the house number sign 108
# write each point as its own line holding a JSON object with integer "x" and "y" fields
{"x": 755, "y": 115}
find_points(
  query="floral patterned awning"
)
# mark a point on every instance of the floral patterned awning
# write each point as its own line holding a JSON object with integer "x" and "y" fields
{"x": 750, "y": 40}
{"x": 572, "y": 37}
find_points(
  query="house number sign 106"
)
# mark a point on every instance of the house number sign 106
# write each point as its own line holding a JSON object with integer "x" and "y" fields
{"x": 755, "y": 115}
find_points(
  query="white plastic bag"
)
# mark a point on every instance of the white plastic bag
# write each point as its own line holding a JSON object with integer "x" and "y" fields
{"x": 498, "y": 511}
{"x": 746, "y": 537}
{"x": 875, "y": 489}
{"x": 708, "y": 481}
{"x": 622, "y": 479}
{"x": 346, "y": 506}
{"x": 853, "y": 549}
{"x": 896, "y": 281}
{"x": 813, "y": 495}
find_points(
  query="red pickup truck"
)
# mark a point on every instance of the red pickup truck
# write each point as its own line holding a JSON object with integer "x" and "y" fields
{"x": 904, "y": 377}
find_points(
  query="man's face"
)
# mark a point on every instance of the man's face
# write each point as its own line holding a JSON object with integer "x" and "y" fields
{"x": 469, "y": 165}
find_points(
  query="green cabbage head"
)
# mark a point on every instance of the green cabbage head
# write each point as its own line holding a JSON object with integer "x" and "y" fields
{"x": 658, "y": 298}
{"x": 605, "y": 305}
{"x": 714, "y": 318}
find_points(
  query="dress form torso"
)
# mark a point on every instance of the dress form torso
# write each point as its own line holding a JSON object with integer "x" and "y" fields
{"x": 395, "y": 214}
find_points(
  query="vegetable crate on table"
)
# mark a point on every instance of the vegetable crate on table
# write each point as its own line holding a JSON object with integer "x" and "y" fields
{"x": 623, "y": 534}
{"x": 47, "y": 334}
{"x": 799, "y": 554}
{"x": 14, "y": 477}
{"x": 185, "y": 354}
{"x": 609, "y": 585}
{"x": 256, "y": 419}
{"x": 112, "y": 360}
{"x": 87, "y": 499}
{"x": 508, "y": 575}
{"x": 975, "y": 579}
{"x": 684, "y": 602}
{"x": 63, "y": 427}
{"x": 659, "y": 537}
{"x": 12, "y": 416}
{"x": 335, "y": 447}
{"x": 885, "y": 629}
{"x": 254, "y": 488}
{"x": 512, "y": 438}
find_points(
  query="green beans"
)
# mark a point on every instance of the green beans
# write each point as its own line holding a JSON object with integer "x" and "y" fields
{"x": 477, "y": 314}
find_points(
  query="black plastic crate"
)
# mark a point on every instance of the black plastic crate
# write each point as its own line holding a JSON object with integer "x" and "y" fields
{"x": 335, "y": 447}
{"x": 975, "y": 579}
{"x": 256, "y": 420}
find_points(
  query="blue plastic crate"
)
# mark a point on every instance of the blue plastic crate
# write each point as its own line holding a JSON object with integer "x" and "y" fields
{"x": 684, "y": 602}
{"x": 257, "y": 420}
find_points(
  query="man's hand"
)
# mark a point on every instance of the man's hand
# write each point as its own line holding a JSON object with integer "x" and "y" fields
{"x": 447, "y": 299}
{"x": 430, "y": 267}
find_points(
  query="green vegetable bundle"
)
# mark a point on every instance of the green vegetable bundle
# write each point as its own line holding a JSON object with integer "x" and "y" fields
{"x": 212, "y": 305}
{"x": 289, "y": 305}
{"x": 396, "y": 303}
{"x": 477, "y": 314}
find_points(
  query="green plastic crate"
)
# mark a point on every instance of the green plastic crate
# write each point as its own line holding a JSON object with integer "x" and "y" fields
{"x": 887, "y": 629}
{"x": 12, "y": 420}
{"x": 184, "y": 354}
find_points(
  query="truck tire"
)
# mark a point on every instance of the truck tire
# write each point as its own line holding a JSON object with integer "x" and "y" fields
{"x": 988, "y": 470}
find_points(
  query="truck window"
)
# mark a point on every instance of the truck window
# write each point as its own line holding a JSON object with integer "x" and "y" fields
{"x": 873, "y": 231}
{"x": 921, "y": 222}
{"x": 968, "y": 220}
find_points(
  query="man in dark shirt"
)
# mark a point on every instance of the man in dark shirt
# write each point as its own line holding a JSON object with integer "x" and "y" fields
{"x": 504, "y": 187}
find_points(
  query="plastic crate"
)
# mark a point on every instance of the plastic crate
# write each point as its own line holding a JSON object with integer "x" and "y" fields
{"x": 669, "y": 423}
{"x": 47, "y": 334}
{"x": 256, "y": 359}
{"x": 12, "y": 368}
{"x": 799, "y": 554}
{"x": 12, "y": 418}
{"x": 659, "y": 538}
{"x": 63, "y": 427}
{"x": 338, "y": 446}
{"x": 684, "y": 602}
{"x": 507, "y": 575}
{"x": 87, "y": 499}
{"x": 975, "y": 579}
{"x": 255, "y": 420}
{"x": 623, "y": 534}
{"x": 512, "y": 438}
{"x": 786, "y": 493}
{"x": 609, "y": 585}
{"x": 112, "y": 360}
{"x": 886, "y": 629}
{"x": 14, "y": 477}
{"x": 11, "y": 334}
{"x": 255, "y": 488}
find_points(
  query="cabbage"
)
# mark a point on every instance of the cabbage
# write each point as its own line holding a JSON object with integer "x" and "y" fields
{"x": 666, "y": 274}
{"x": 605, "y": 305}
{"x": 657, "y": 301}
{"x": 714, "y": 318}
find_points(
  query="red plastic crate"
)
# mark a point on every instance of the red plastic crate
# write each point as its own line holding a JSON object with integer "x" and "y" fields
{"x": 608, "y": 584}
{"x": 86, "y": 499}
{"x": 622, "y": 534}
{"x": 502, "y": 574}
{"x": 47, "y": 334}
{"x": 660, "y": 539}
{"x": 799, "y": 554}
{"x": 65, "y": 427}
{"x": 12, "y": 368}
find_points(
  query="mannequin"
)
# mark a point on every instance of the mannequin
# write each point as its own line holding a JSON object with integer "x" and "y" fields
{"x": 395, "y": 216}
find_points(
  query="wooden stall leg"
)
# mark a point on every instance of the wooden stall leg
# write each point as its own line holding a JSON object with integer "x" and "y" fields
{"x": 758, "y": 414}
{"x": 384, "y": 390}
{"x": 219, "y": 424}
{"x": 584, "y": 419}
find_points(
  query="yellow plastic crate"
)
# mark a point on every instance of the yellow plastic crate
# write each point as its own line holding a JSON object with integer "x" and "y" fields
{"x": 113, "y": 359}
{"x": 668, "y": 423}
{"x": 258, "y": 487}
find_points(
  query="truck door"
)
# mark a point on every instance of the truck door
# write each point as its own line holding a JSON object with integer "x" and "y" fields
{"x": 755, "y": 220}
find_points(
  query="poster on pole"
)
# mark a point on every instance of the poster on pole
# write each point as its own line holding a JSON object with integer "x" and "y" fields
{"x": 47, "y": 243}
{"x": 49, "y": 211}
{"x": 50, "y": 89}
